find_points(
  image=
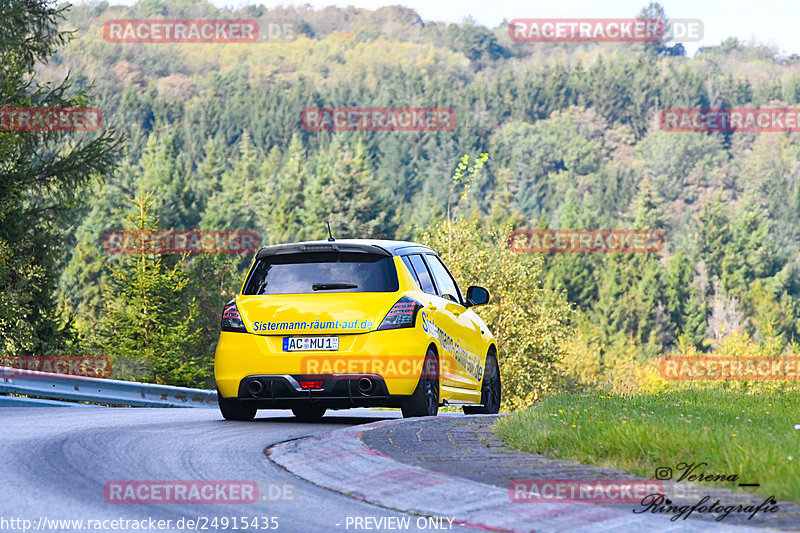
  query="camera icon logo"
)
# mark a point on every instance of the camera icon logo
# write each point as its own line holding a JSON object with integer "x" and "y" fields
{"x": 663, "y": 473}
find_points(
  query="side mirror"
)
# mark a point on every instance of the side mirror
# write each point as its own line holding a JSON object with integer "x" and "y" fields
{"x": 477, "y": 296}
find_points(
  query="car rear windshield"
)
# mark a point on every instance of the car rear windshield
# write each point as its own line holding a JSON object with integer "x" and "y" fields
{"x": 322, "y": 272}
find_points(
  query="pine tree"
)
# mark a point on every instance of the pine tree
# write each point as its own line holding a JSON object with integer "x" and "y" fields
{"x": 42, "y": 177}
{"x": 164, "y": 170}
{"x": 148, "y": 326}
{"x": 345, "y": 194}
{"x": 576, "y": 273}
{"x": 286, "y": 215}
{"x": 631, "y": 286}
{"x": 213, "y": 280}
{"x": 208, "y": 175}
{"x": 685, "y": 301}
{"x": 80, "y": 291}
{"x": 234, "y": 206}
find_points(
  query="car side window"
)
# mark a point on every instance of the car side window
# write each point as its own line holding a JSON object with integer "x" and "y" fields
{"x": 447, "y": 285}
{"x": 410, "y": 268}
{"x": 421, "y": 271}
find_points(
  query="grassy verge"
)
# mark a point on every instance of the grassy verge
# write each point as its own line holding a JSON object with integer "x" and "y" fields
{"x": 751, "y": 436}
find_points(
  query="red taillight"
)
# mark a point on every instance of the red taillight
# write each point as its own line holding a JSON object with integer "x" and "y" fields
{"x": 402, "y": 314}
{"x": 310, "y": 384}
{"x": 231, "y": 321}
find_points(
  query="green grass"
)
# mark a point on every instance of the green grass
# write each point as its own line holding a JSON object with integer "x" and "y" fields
{"x": 752, "y": 436}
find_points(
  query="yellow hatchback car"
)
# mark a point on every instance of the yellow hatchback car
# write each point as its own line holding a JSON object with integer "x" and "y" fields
{"x": 354, "y": 323}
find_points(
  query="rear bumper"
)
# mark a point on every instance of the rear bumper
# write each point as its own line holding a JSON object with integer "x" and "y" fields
{"x": 337, "y": 391}
{"x": 240, "y": 357}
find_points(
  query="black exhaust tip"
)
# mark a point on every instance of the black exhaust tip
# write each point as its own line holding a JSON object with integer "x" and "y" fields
{"x": 255, "y": 388}
{"x": 366, "y": 386}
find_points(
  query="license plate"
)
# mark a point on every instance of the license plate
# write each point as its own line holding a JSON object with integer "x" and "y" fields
{"x": 307, "y": 344}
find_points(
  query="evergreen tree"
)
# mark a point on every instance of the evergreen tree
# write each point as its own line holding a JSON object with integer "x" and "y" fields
{"x": 163, "y": 170}
{"x": 208, "y": 175}
{"x": 654, "y": 10}
{"x": 286, "y": 216}
{"x": 148, "y": 327}
{"x": 42, "y": 178}
{"x": 345, "y": 194}
{"x": 685, "y": 301}
{"x": 576, "y": 273}
{"x": 234, "y": 206}
{"x": 631, "y": 286}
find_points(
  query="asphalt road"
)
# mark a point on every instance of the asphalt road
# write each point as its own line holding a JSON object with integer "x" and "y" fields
{"x": 55, "y": 463}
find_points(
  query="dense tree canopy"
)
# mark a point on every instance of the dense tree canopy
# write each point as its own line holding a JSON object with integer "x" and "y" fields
{"x": 213, "y": 130}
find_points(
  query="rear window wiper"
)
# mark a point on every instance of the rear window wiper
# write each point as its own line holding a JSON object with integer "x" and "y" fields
{"x": 332, "y": 286}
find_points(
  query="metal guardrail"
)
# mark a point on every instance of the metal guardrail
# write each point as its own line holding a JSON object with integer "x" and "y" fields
{"x": 38, "y": 385}
{"x": 23, "y": 401}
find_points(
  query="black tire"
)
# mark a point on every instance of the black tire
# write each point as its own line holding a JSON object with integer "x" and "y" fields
{"x": 425, "y": 399}
{"x": 309, "y": 413}
{"x": 491, "y": 390}
{"x": 235, "y": 409}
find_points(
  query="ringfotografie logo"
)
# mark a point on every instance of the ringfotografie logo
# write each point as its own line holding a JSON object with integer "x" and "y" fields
{"x": 660, "y": 504}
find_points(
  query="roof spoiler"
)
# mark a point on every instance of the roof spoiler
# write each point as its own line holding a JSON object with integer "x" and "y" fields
{"x": 333, "y": 246}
